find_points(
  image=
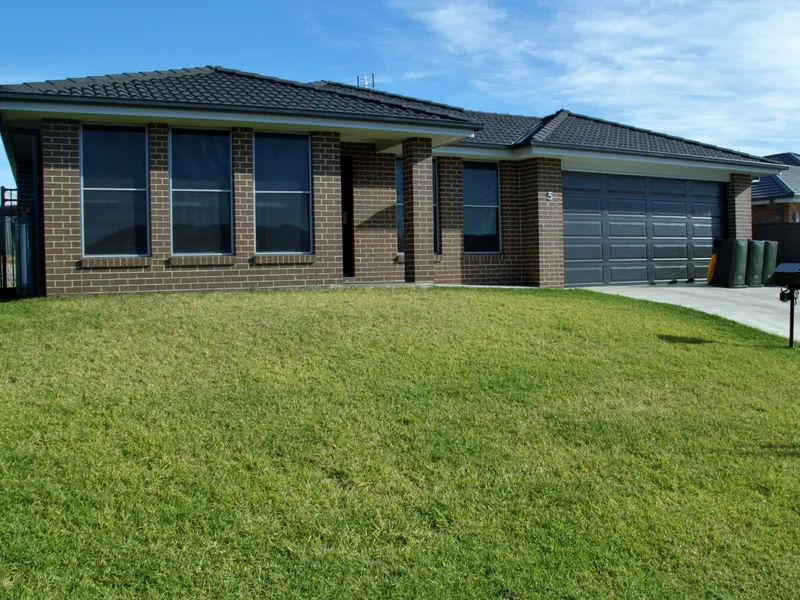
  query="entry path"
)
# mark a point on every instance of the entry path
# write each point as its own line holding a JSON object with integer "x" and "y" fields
{"x": 757, "y": 307}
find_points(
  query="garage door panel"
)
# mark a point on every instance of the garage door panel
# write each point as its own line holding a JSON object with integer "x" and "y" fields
{"x": 627, "y": 185}
{"x": 627, "y": 229}
{"x": 642, "y": 229}
{"x": 668, "y": 187}
{"x": 670, "y": 272}
{"x": 583, "y": 252}
{"x": 583, "y": 276}
{"x": 629, "y": 274}
{"x": 706, "y": 209}
{"x": 626, "y": 206}
{"x": 702, "y": 251}
{"x": 584, "y": 205}
{"x": 669, "y": 230}
{"x": 706, "y": 229}
{"x": 587, "y": 182}
{"x": 628, "y": 252}
{"x": 670, "y": 251}
{"x": 664, "y": 208}
{"x": 706, "y": 189}
{"x": 583, "y": 229}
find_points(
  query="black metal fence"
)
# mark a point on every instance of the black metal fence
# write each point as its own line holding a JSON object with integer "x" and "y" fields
{"x": 16, "y": 250}
{"x": 786, "y": 234}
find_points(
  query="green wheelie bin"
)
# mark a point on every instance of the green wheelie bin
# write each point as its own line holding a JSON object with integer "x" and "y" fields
{"x": 731, "y": 266}
{"x": 755, "y": 263}
{"x": 770, "y": 261}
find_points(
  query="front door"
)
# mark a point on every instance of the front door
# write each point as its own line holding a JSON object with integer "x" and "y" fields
{"x": 348, "y": 230}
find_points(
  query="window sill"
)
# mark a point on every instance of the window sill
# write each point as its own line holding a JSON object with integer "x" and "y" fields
{"x": 110, "y": 262}
{"x": 283, "y": 259}
{"x": 202, "y": 261}
{"x": 489, "y": 257}
{"x": 400, "y": 259}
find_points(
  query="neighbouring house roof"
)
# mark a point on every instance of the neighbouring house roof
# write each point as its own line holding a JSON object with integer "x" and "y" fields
{"x": 227, "y": 89}
{"x": 784, "y": 186}
{"x": 787, "y": 158}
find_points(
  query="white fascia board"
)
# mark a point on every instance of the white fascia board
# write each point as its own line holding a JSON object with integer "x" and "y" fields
{"x": 234, "y": 118}
{"x": 577, "y": 158}
{"x": 476, "y": 153}
{"x": 616, "y": 164}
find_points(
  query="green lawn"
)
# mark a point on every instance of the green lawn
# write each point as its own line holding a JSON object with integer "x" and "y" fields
{"x": 394, "y": 443}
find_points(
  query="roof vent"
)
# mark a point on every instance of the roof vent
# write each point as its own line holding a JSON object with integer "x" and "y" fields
{"x": 366, "y": 81}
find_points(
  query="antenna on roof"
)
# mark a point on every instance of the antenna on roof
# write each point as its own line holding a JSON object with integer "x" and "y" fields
{"x": 366, "y": 81}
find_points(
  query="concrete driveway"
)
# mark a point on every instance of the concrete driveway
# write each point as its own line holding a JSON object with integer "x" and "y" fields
{"x": 756, "y": 307}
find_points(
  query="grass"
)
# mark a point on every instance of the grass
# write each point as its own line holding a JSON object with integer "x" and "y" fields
{"x": 402, "y": 443}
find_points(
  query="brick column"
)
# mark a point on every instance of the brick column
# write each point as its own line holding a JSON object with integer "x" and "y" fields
{"x": 542, "y": 223}
{"x": 327, "y": 190}
{"x": 61, "y": 192}
{"x": 418, "y": 210}
{"x": 160, "y": 234}
{"x": 740, "y": 217}
{"x": 243, "y": 198}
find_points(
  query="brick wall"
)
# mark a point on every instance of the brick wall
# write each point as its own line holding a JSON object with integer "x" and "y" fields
{"x": 532, "y": 251}
{"x": 375, "y": 218}
{"x": 740, "y": 215}
{"x": 453, "y": 266}
{"x": 68, "y": 273}
{"x": 541, "y": 223}
{"x": 61, "y": 201}
{"x": 784, "y": 212}
{"x": 449, "y": 264}
{"x": 418, "y": 210}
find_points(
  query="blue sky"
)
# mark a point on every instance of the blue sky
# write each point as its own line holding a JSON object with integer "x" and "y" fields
{"x": 721, "y": 71}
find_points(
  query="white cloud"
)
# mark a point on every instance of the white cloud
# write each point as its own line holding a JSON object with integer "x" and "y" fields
{"x": 721, "y": 71}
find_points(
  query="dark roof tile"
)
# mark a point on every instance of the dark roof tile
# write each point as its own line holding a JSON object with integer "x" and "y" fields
{"x": 569, "y": 130}
{"x": 227, "y": 88}
{"x": 218, "y": 87}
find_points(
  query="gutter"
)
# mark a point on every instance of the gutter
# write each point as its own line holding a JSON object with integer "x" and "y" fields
{"x": 17, "y": 101}
{"x": 558, "y": 151}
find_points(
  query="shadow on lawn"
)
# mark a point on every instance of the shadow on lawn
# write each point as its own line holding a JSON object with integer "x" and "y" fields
{"x": 677, "y": 339}
{"x": 788, "y": 450}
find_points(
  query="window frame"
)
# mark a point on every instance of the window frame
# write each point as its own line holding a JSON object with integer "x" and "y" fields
{"x": 437, "y": 211}
{"x": 435, "y": 208}
{"x": 146, "y": 189}
{"x": 233, "y": 211}
{"x": 310, "y": 193}
{"x": 398, "y": 160}
{"x": 497, "y": 207}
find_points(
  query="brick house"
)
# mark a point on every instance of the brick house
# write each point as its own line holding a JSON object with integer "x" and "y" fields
{"x": 776, "y": 198}
{"x": 215, "y": 179}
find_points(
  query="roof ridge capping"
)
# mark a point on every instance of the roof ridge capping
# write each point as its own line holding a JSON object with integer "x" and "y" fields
{"x": 348, "y": 94}
{"x": 565, "y": 113}
{"x": 322, "y": 83}
{"x": 106, "y": 78}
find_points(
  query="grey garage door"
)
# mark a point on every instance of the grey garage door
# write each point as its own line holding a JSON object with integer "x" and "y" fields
{"x": 621, "y": 229}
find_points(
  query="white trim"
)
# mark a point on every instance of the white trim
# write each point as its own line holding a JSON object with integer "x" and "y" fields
{"x": 494, "y": 206}
{"x": 477, "y": 154}
{"x": 229, "y": 192}
{"x": 310, "y": 194}
{"x": 755, "y": 168}
{"x": 146, "y": 190}
{"x": 229, "y": 117}
{"x": 616, "y": 161}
